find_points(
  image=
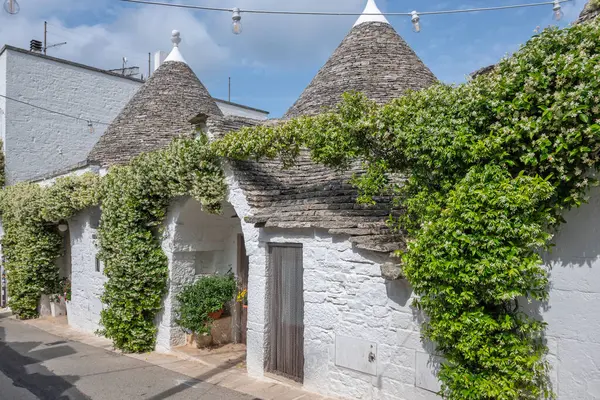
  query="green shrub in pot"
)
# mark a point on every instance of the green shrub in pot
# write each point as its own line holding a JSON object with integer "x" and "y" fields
{"x": 207, "y": 295}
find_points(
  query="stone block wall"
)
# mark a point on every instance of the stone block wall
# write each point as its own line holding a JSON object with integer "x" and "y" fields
{"x": 572, "y": 312}
{"x": 189, "y": 234}
{"x": 87, "y": 285}
{"x": 346, "y": 297}
{"x": 348, "y": 306}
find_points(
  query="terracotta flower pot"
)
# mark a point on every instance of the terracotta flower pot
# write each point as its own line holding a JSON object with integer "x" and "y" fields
{"x": 216, "y": 314}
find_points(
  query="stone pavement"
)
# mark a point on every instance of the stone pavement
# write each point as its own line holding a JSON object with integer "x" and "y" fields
{"x": 224, "y": 369}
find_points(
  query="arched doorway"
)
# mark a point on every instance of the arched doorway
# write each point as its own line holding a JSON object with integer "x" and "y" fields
{"x": 199, "y": 244}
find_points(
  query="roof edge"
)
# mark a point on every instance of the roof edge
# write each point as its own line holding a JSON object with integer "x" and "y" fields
{"x": 240, "y": 105}
{"x": 67, "y": 62}
{"x": 62, "y": 171}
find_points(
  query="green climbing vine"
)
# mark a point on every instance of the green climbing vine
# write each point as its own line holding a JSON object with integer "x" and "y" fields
{"x": 134, "y": 205}
{"x": 134, "y": 201}
{"x": 490, "y": 167}
{"x": 31, "y": 242}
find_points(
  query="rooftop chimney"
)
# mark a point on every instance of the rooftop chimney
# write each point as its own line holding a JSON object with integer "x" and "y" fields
{"x": 36, "y": 46}
{"x": 159, "y": 58}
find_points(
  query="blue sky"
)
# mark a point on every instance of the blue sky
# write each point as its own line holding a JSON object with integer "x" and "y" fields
{"x": 275, "y": 57}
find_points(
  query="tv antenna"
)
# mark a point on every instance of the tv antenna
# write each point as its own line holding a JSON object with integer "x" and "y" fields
{"x": 46, "y": 46}
{"x": 125, "y": 70}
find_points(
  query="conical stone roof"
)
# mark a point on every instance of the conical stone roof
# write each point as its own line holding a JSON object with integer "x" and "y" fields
{"x": 157, "y": 113}
{"x": 590, "y": 11}
{"x": 372, "y": 59}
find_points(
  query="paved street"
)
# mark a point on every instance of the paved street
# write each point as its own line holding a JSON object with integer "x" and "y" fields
{"x": 37, "y": 365}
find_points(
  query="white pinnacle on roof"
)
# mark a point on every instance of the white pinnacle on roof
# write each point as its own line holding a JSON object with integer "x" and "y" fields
{"x": 175, "y": 54}
{"x": 371, "y": 14}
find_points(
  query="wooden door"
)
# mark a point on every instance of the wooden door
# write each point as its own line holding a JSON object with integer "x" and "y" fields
{"x": 286, "y": 320}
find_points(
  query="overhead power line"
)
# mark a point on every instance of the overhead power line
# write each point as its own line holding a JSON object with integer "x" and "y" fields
{"x": 88, "y": 121}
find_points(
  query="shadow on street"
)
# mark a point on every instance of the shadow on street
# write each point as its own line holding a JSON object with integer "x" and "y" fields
{"x": 23, "y": 365}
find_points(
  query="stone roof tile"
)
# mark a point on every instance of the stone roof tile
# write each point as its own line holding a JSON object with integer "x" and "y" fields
{"x": 372, "y": 59}
{"x": 157, "y": 113}
{"x": 308, "y": 195}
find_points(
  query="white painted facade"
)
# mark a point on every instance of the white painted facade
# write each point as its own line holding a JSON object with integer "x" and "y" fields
{"x": 38, "y": 142}
{"x": 348, "y": 307}
{"x": 87, "y": 283}
{"x": 572, "y": 313}
{"x": 229, "y": 108}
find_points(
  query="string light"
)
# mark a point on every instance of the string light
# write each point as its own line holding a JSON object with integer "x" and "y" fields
{"x": 414, "y": 15}
{"x": 12, "y": 6}
{"x": 237, "y": 21}
{"x": 558, "y": 14}
{"x": 416, "y": 21}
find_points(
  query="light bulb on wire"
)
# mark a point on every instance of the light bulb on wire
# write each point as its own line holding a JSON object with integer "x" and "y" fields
{"x": 416, "y": 21}
{"x": 236, "y": 27}
{"x": 11, "y": 6}
{"x": 558, "y": 13}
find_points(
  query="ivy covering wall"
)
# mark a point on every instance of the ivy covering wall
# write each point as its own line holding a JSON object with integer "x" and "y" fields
{"x": 135, "y": 199}
{"x": 491, "y": 165}
{"x": 32, "y": 243}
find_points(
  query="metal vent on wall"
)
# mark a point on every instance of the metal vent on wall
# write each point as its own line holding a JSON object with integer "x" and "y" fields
{"x": 36, "y": 46}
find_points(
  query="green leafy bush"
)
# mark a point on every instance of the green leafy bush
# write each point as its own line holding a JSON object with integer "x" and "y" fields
{"x": 31, "y": 242}
{"x": 490, "y": 167}
{"x": 207, "y": 295}
{"x": 135, "y": 198}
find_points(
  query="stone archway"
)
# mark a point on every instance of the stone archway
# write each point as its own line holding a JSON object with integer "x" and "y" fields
{"x": 198, "y": 243}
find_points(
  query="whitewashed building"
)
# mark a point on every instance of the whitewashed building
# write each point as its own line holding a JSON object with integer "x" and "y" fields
{"x": 56, "y": 110}
{"x": 324, "y": 306}
{"x": 53, "y": 111}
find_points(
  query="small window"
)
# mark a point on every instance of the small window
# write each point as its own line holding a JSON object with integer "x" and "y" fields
{"x": 98, "y": 265}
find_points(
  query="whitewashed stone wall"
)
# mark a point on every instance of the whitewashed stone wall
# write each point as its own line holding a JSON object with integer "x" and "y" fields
{"x": 347, "y": 303}
{"x": 348, "y": 306}
{"x": 38, "y": 142}
{"x": 345, "y": 297}
{"x": 191, "y": 234}
{"x": 3, "y": 58}
{"x": 573, "y": 311}
{"x": 228, "y": 108}
{"x": 180, "y": 273}
{"x": 87, "y": 285}
{"x": 255, "y": 334}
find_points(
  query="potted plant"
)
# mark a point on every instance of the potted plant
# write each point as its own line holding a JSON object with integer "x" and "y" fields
{"x": 201, "y": 303}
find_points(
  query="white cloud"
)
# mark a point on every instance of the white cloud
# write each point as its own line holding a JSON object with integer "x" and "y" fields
{"x": 101, "y": 32}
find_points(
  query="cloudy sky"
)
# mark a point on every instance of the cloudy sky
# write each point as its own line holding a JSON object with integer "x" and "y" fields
{"x": 275, "y": 57}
